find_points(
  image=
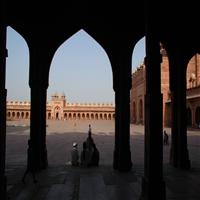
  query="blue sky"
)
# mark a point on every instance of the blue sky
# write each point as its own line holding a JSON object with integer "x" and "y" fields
{"x": 80, "y": 68}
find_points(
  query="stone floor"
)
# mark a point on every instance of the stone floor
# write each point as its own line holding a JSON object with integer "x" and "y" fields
{"x": 62, "y": 181}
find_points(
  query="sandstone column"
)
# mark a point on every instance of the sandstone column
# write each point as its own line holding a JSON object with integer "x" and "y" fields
{"x": 153, "y": 186}
{"x": 38, "y": 83}
{"x": 122, "y": 86}
{"x": 179, "y": 156}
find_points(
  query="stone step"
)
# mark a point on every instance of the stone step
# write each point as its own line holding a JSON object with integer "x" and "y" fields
{"x": 60, "y": 192}
{"x": 92, "y": 187}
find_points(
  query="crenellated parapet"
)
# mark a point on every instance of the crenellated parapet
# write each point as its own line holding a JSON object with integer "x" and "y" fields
{"x": 22, "y": 103}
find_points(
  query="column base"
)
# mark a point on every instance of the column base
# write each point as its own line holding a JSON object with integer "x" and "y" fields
{"x": 124, "y": 161}
{"x": 3, "y": 188}
{"x": 44, "y": 162}
{"x": 186, "y": 164}
{"x": 153, "y": 190}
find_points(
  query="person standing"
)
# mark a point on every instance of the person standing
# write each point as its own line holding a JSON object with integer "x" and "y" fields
{"x": 166, "y": 138}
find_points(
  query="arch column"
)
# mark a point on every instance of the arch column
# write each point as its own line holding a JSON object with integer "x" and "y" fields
{"x": 153, "y": 185}
{"x": 3, "y": 96}
{"x": 179, "y": 156}
{"x": 38, "y": 82}
{"x": 122, "y": 85}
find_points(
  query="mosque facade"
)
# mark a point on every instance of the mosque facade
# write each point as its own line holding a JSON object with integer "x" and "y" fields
{"x": 192, "y": 93}
{"x": 59, "y": 109}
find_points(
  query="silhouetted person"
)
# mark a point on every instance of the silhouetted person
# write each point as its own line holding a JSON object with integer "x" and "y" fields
{"x": 95, "y": 156}
{"x": 75, "y": 155}
{"x": 89, "y": 140}
{"x": 30, "y": 163}
{"x": 166, "y": 138}
{"x": 85, "y": 156}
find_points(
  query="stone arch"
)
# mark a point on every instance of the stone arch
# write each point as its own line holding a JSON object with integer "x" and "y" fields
{"x": 100, "y": 116}
{"x": 193, "y": 74}
{"x": 8, "y": 114}
{"x": 83, "y": 115}
{"x": 13, "y": 114}
{"x": 113, "y": 116}
{"x": 96, "y": 116}
{"x": 65, "y": 116}
{"x": 22, "y": 115}
{"x": 18, "y": 115}
{"x": 67, "y": 40}
{"x": 22, "y": 70}
{"x": 49, "y": 115}
{"x": 27, "y": 115}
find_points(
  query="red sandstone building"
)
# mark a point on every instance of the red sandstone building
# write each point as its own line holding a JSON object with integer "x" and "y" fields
{"x": 193, "y": 92}
{"x": 58, "y": 108}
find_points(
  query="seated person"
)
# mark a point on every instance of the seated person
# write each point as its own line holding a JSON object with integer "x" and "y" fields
{"x": 95, "y": 156}
{"x": 85, "y": 156}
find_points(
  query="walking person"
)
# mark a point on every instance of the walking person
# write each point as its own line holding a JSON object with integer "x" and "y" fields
{"x": 30, "y": 163}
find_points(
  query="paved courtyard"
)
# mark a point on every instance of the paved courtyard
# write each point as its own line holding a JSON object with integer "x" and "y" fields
{"x": 62, "y": 181}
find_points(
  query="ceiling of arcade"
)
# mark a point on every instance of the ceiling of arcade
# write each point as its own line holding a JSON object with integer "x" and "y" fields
{"x": 108, "y": 23}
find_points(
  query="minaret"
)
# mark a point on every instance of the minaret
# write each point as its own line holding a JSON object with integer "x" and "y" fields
{"x": 63, "y": 99}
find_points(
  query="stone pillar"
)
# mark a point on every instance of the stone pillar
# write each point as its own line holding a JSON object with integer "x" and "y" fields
{"x": 153, "y": 186}
{"x": 38, "y": 82}
{"x": 38, "y": 125}
{"x": 122, "y": 86}
{"x": 3, "y": 95}
{"x": 179, "y": 156}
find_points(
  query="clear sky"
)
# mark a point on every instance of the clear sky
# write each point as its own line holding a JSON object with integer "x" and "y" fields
{"x": 80, "y": 69}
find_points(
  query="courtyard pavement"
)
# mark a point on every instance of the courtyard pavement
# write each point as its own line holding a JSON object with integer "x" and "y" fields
{"x": 62, "y": 181}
